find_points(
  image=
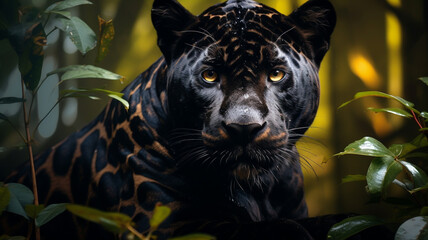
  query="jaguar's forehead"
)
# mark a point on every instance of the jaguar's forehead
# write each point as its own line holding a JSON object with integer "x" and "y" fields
{"x": 231, "y": 4}
{"x": 239, "y": 16}
{"x": 240, "y": 33}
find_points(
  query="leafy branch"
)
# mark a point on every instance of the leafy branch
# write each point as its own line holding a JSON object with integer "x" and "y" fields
{"x": 17, "y": 199}
{"x": 389, "y": 166}
{"x": 28, "y": 38}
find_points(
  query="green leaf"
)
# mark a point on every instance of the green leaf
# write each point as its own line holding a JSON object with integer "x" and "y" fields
{"x": 160, "y": 213}
{"x": 359, "y": 95}
{"x": 20, "y": 196}
{"x": 80, "y": 34}
{"x": 424, "y": 80}
{"x": 408, "y": 149}
{"x": 195, "y": 236}
{"x": 12, "y": 148}
{"x": 106, "y": 36}
{"x": 88, "y": 92}
{"x": 420, "y": 178}
{"x": 367, "y": 146}
{"x": 417, "y": 154}
{"x": 4, "y": 198}
{"x": 49, "y": 213}
{"x": 28, "y": 41}
{"x": 352, "y": 226}
{"x": 112, "y": 221}
{"x": 424, "y": 115}
{"x": 381, "y": 173}
{"x": 62, "y": 5}
{"x": 395, "y": 111}
{"x": 9, "y": 100}
{"x": 419, "y": 189}
{"x": 123, "y": 101}
{"x": 424, "y": 211}
{"x": 33, "y": 210}
{"x": 415, "y": 229}
{"x": 397, "y": 149}
{"x": 65, "y": 14}
{"x": 353, "y": 178}
{"x": 406, "y": 184}
{"x": 85, "y": 71}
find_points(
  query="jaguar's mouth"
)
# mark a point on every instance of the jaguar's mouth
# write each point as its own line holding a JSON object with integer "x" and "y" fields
{"x": 207, "y": 151}
{"x": 252, "y": 165}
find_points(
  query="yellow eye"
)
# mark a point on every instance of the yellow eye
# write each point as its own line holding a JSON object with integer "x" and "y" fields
{"x": 209, "y": 76}
{"x": 276, "y": 75}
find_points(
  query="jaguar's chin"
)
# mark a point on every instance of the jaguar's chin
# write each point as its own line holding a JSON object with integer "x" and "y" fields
{"x": 245, "y": 172}
{"x": 251, "y": 165}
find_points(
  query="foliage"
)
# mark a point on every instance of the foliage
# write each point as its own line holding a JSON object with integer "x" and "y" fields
{"x": 112, "y": 221}
{"x": 25, "y": 29}
{"x": 122, "y": 224}
{"x": 393, "y": 165}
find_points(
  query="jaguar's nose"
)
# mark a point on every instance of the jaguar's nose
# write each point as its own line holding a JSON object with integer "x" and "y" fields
{"x": 243, "y": 134}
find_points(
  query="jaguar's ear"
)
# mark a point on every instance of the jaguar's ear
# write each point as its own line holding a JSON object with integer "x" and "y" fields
{"x": 170, "y": 18}
{"x": 316, "y": 18}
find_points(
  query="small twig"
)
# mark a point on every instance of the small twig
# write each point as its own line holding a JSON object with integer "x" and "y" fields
{"x": 16, "y": 130}
{"x": 30, "y": 152}
{"x": 51, "y": 31}
{"x": 47, "y": 114}
{"x": 416, "y": 119}
{"x": 136, "y": 233}
{"x": 40, "y": 84}
{"x": 34, "y": 96}
{"x": 47, "y": 19}
{"x": 30, "y": 230}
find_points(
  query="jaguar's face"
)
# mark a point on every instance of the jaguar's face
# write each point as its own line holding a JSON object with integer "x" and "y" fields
{"x": 242, "y": 82}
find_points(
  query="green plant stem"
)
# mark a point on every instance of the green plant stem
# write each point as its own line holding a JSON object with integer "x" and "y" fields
{"x": 51, "y": 31}
{"x": 136, "y": 233}
{"x": 47, "y": 114}
{"x": 40, "y": 84}
{"x": 30, "y": 152}
{"x": 30, "y": 230}
{"x": 47, "y": 20}
{"x": 34, "y": 93}
{"x": 16, "y": 129}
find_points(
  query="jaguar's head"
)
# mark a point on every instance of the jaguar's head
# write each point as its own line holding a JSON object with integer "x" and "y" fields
{"x": 242, "y": 82}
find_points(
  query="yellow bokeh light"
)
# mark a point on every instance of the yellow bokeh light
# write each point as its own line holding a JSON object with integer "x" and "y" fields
{"x": 395, "y": 3}
{"x": 393, "y": 40}
{"x": 362, "y": 67}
